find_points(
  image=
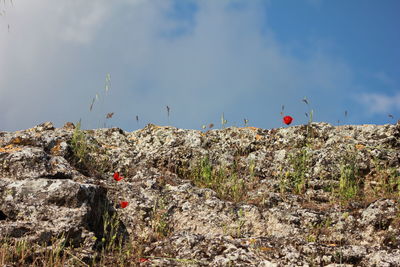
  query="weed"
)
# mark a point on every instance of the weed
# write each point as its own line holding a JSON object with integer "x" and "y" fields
{"x": 105, "y": 116}
{"x": 223, "y": 121}
{"x": 310, "y": 116}
{"x": 159, "y": 222}
{"x": 349, "y": 183}
{"x": 82, "y": 150}
{"x": 388, "y": 180}
{"x": 318, "y": 229}
{"x": 111, "y": 231}
{"x": 311, "y": 238}
{"x": 252, "y": 167}
{"x": 241, "y": 222}
{"x": 296, "y": 179}
{"x": 168, "y": 112}
{"x": 284, "y": 185}
{"x": 113, "y": 246}
{"x": 226, "y": 182}
{"x": 235, "y": 231}
{"x": 25, "y": 253}
{"x": 79, "y": 145}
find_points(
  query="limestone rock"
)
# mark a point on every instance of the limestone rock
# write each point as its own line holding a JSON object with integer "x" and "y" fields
{"x": 298, "y": 196}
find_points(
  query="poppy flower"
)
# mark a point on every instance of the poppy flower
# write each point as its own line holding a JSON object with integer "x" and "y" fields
{"x": 124, "y": 204}
{"x": 143, "y": 260}
{"x": 287, "y": 120}
{"x": 117, "y": 177}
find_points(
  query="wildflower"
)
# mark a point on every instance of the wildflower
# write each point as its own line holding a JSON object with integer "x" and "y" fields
{"x": 124, "y": 204}
{"x": 117, "y": 177}
{"x": 143, "y": 260}
{"x": 287, "y": 120}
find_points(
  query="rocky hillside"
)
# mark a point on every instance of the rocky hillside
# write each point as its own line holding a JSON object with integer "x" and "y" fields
{"x": 310, "y": 195}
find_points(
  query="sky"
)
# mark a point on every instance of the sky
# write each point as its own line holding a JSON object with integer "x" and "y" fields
{"x": 243, "y": 59}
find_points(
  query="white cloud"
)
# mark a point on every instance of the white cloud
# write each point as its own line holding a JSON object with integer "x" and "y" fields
{"x": 381, "y": 103}
{"x": 58, "y": 52}
{"x": 82, "y": 22}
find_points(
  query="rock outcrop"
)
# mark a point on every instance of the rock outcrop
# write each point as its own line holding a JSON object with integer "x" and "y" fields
{"x": 310, "y": 195}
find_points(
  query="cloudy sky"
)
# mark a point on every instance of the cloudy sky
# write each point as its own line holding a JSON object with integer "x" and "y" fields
{"x": 201, "y": 58}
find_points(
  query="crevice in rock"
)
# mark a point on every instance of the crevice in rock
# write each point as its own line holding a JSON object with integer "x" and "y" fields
{"x": 58, "y": 175}
{"x": 19, "y": 231}
{"x": 104, "y": 222}
{"x": 2, "y": 216}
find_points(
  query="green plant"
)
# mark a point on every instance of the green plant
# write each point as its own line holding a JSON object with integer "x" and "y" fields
{"x": 227, "y": 182}
{"x": 111, "y": 232}
{"x": 349, "y": 183}
{"x": 79, "y": 145}
{"x": 318, "y": 229}
{"x": 388, "y": 179}
{"x": 59, "y": 253}
{"x": 114, "y": 247}
{"x": 284, "y": 185}
{"x": 310, "y": 116}
{"x": 241, "y": 222}
{"x": 296, "y": 178}
{"x": 252, "y": 172}
{"x": 223, "y": 121}
{"x": 311, "y": 238}
{"x": 25, "y": 253}
{"x": 235, "y": 230}
{"x": 83, "y": 151}
{"x": 159, "y": 222}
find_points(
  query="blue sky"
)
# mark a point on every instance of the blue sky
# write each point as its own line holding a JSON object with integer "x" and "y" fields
{"x": 202, "y": 58}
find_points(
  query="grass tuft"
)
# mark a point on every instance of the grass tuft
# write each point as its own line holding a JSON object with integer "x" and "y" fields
{"x": 295, "y": 180}
{"x": 227, "y": 182}
{"x": 82, "y": 151}
{"x": 349, "y": 180}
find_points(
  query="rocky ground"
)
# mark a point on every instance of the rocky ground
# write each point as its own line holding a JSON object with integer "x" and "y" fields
{"x": 309, "y": 195}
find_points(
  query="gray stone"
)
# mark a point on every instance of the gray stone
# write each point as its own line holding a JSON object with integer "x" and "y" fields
{"x": 278, "y": 201}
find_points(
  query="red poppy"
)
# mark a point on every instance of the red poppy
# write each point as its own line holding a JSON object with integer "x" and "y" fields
{"x": 117, "y": 177}
{"x": 143, "y": 260}
{"x": 287, "y": 120}
{"x": 124, "y": 204}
